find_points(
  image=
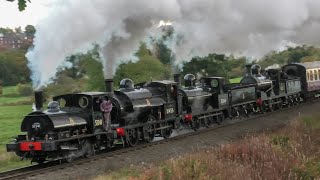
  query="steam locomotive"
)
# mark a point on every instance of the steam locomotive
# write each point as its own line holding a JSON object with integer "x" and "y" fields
{"x": 72, "y": 126}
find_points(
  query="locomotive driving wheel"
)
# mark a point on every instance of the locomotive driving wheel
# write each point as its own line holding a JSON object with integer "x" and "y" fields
{"x": 235, "y": 112}
{"x": 88, "y": 148}
{"x": 220, "y": 118}
{"x": 132, "y": 137}
{"x": 263, "y": 107}
{"x": 196, "y": 123}
{"x": 209, "y": 121}
{"x": 149, "y": 130}
{"x": 166, "y": 133}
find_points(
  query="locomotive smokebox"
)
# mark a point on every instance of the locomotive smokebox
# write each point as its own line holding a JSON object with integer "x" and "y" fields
{"x": 38, "y": 98}
{"x": 176, "y": 78}
{"x": 248, "y": 70}
{"x": 109, "y": 85}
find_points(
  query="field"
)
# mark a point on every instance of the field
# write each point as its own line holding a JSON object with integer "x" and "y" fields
{"x": 12, "y": 110}
{"x": 291, "y": 152}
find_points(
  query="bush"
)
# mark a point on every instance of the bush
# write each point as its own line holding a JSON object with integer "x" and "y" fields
{"x": 25, "y": 89}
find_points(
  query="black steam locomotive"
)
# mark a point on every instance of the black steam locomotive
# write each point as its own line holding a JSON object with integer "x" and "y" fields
{"x": 72, "y": 126}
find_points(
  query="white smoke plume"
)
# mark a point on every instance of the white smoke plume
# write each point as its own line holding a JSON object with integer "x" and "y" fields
{"x": 247, "y": 27}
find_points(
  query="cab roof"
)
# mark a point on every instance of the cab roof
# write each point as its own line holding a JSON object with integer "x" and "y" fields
{"x": 166, "y": 82}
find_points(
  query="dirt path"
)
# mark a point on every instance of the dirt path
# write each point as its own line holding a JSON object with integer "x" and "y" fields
{"x": 165, "y": 151}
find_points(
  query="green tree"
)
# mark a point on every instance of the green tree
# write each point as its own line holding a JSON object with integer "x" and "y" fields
{"x": 163, "y": 53}
{"x": 292, "y": 54}
{"x": 13, "y": 67}
{"x": 30, "y": 30}
{"x": 85, "y": 68}
{"x": 94, "y": 72}
{"x": 211, "y": 65}
{"x": 64, "y": 84}
{"x": 5, "y": 30}
{"x": 161, "y": 50}
{"x": 22, "y": 4}
{"x": 147, "y": 68}
{"x": 18, "y": 29}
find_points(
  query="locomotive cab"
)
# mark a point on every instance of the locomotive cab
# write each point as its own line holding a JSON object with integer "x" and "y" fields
{"x": 85, "y": 105}
{"x": 217, "y": 86}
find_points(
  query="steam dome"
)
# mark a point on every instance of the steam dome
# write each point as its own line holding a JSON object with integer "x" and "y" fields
{"x": 126, "y": 83}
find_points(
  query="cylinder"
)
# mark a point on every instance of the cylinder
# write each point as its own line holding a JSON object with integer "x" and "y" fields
{"x": 38, "y": 98}
{"x": 109, "y": 85}
{"x": 176, "y": 78}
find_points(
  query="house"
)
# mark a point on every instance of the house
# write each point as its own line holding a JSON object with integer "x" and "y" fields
{"x": 15, "y": 40}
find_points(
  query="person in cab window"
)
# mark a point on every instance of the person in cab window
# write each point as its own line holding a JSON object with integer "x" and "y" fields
{"x": 106, "y": 108}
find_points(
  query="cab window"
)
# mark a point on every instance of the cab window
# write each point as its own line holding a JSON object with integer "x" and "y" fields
{"x": 315, "y": 72}
{"x": 214, "y": 83}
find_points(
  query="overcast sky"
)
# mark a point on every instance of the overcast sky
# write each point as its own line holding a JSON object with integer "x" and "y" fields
{"x": 11, "y": 17}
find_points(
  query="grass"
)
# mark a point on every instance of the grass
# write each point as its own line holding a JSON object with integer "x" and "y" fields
{"x": 10, "y": 119}
{"x": 12, "y": 111}
{"x": 235, "y": 80}
{"x": 10, "y": 96}
{"x": 10, "y": 90}
{"x": 292, "y": 152}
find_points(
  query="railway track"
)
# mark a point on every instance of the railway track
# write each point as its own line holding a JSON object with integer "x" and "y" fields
{"x": 34, "y": 170}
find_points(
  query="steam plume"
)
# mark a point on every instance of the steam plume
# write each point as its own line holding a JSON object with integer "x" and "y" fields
{"x": 247, "y": 27}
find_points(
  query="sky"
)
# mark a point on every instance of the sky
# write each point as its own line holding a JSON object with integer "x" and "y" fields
{"x": 11, "y": 17}
{"x": 248, "y": 28}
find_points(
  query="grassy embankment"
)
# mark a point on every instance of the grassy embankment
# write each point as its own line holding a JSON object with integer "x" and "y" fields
{"x": 292, "y": 152}
{"x": 235, "y": 80}
{"x": 12, "y": 109}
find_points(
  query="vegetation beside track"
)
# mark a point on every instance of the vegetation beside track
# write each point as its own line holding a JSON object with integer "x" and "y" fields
{"x": 12, "y": 111}
{"x": 291, "y": 152}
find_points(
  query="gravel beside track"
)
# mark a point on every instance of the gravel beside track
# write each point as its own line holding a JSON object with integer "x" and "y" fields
{"x": 162, "y": 150}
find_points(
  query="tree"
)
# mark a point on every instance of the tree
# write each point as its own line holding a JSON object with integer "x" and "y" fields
{"x": 161, "y": 50}
{"x": 64, "y": 84}
{"x": 143, "y": 50}
{"x": 211, "y": 65}
{"x": 18, "y": 30}
{"x": 30, "y": 30}
{"x": 85, "y": 68}
{"x": 292, "y": 54}
{"x": 163, "y": 53}
{"x": 5, "y": 30}
{"x": 93, "y": 70}
{"x": 147, "y": 68}
{"x": 13, "y": 67}
{"x": 22, "y": 4}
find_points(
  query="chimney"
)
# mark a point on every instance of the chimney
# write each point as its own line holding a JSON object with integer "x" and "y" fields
{"x": 176, "y": 78}
{"x": 38, "y": 97}
{"x": 109, "y": 85}
{"x": 248, "y": 70}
